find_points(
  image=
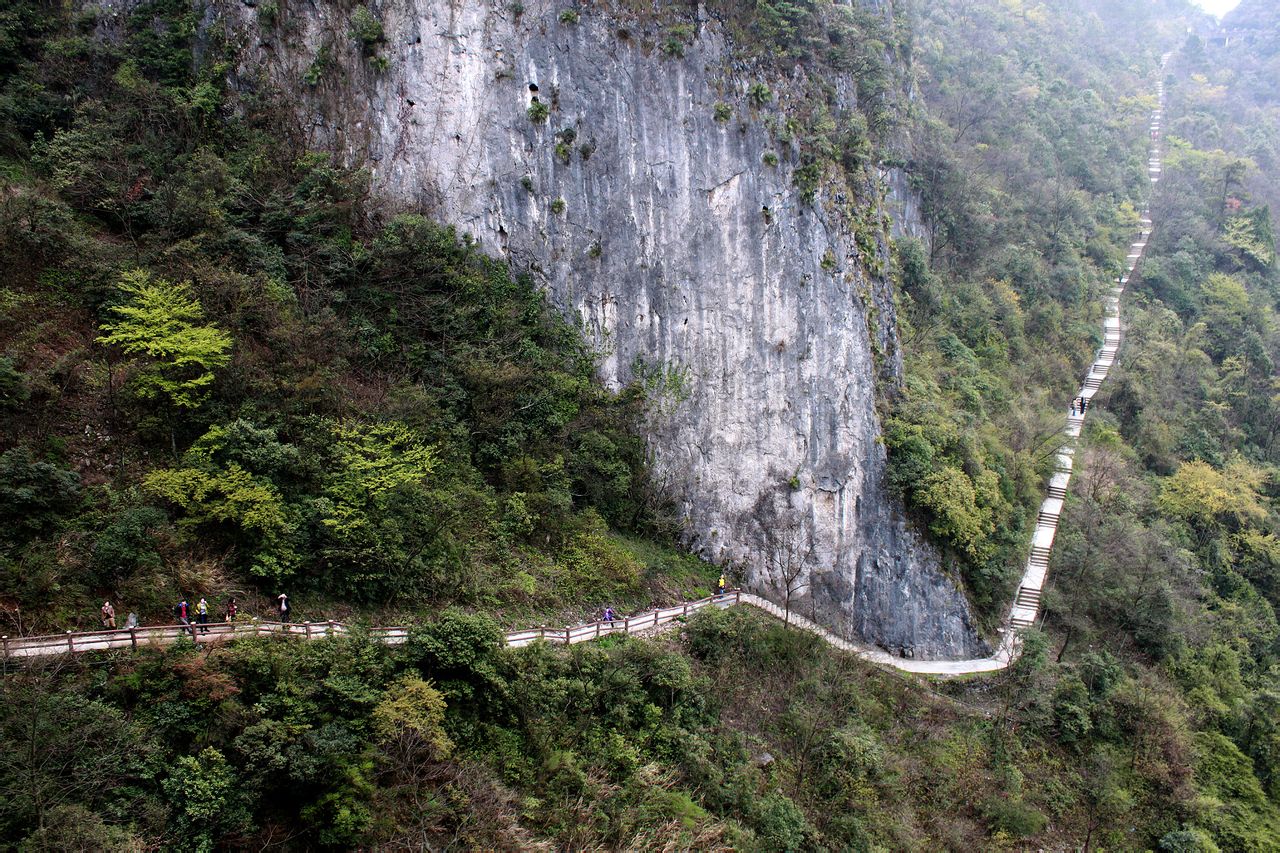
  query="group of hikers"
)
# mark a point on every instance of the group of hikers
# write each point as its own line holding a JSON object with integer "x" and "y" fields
{"x": 610, "y": 615}
{"x": 184, "y": 612}
{"x": 198, "y": 615}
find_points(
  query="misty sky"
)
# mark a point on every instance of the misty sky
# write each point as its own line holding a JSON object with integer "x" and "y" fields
{"x": 1217, "y": 7}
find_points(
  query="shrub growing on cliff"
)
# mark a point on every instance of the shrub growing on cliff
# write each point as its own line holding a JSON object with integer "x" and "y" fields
{"x": 722, "y": 112}
{"x": 367, "y": 30}
{"x": 538, "y": 112}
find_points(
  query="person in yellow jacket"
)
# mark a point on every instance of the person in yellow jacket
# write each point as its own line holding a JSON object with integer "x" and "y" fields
{"x": 722, "y": 585}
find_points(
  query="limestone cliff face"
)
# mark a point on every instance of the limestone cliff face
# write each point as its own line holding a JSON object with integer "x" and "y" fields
{"x": 679, "y": 247}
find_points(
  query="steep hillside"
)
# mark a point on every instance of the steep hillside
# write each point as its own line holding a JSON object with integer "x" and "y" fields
{"x": 709, "y": 210}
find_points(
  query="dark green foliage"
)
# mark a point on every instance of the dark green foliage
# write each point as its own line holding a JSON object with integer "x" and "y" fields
{"x": 34, "y": 495}
{"x": 13, "y": 386}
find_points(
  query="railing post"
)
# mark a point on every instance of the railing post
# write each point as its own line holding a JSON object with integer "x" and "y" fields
{"x": 329, "y": 629}
{"x": 567, "y": 639}
{"x": 5, "y": 641}
{"x": 308, "y": 624}
{"x": 597, "y": 630}
{"x": 685, "y": 613}
{"x": 71, "y": 645}
{"x": 133, "y": 638}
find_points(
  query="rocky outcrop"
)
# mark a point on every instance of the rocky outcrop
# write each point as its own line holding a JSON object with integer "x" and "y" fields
{"x": 687, "y": 254}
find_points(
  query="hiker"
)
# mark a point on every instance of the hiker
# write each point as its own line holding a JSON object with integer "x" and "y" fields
{"x": 108, "y": 614}
{"x": 1084, "y": 404}
{"x": 1073, "y": 408}
{"x": 720, "y": 586}
{"x": 183, "y": 612}
{"x": 608, "y": 616}
{"x": 284, "y": 607}
{"x": 202, "y": 615}
{"x": 232, "y": 610}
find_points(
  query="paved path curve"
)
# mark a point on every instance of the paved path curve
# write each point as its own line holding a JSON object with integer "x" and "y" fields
{"x": 1023, "y": 611}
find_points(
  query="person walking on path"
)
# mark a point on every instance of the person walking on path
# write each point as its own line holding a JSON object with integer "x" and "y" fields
{"x": 202, "y": 615}
{"x": 720, "y": 586}
{"x": 284, "y": 607}
{"x": 608, "y": 616}
{"x": 232, "y": 610}
{"x": 183, "y": 611}
{"x": 1073, "y": 407}
{"x": 108, "y": 614}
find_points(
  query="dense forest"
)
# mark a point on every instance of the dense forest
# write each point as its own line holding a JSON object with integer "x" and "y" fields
{"x": 225, "y": 370}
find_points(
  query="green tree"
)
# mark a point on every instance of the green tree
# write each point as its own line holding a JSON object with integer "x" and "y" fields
{"x": 162, "y": 323}
{"x": 207, "y": 800}
{"x": 33, "y": 495}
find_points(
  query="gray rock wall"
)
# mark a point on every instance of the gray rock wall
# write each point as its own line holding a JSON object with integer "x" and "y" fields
{"x": 677, "y": 247}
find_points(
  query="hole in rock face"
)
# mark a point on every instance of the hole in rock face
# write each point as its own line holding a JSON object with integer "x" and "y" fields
{"x": 410, "y": 103}
{"x": 533, "y": 87}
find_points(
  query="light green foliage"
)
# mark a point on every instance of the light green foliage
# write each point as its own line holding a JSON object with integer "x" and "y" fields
{"x": 1251, "y": 234}
{"x": 372, "y": 462}
{"x": 568, "y": 17}
{"x": 760, "y": 94}
{"x": 722, "y": 112}
{"x": 226, "y": 480}
{"x": 952, "y": 499}
{"x": 1236, "y": 811}
{"x": 412, "y": 714}
{"x": 163, "y": 323}
{"x": 232, "y": 495}
{"x": 1204, "y": 496}
{"x": 538, "y": 112}
{"x": 206, "y": 801}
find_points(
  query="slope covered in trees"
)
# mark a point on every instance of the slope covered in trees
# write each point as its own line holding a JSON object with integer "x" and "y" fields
{"x": 225, "y": 370}
{"x": 1031, "y": 164}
